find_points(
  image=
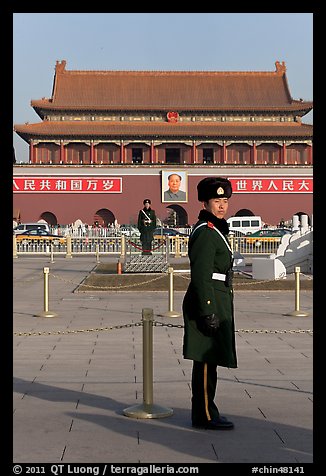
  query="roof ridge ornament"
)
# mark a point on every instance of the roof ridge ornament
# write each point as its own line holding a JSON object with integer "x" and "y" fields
{"x": 60, "y": 66}
{"x": 280, "y": 67}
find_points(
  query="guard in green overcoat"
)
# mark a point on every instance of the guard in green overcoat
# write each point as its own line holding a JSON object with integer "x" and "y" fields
{"x": 146, "y": 225}
{"x": 209, "y": 329}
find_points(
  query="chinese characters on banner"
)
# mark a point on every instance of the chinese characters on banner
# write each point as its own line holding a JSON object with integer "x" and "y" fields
{"x": 68, "y": 184}
{"x": 114, "y": 184}
{"x": 271, "y": 184}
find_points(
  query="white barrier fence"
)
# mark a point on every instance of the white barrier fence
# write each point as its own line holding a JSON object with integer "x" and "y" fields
{"x": 176, "y": 246}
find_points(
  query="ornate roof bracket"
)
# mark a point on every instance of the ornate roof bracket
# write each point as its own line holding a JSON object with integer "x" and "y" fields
{"x": 280, "y": 67}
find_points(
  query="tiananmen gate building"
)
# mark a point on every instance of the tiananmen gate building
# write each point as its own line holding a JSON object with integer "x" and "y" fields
{"x": 109, "y": 139}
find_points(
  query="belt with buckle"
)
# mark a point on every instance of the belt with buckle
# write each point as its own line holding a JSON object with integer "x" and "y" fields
{"x": 227, "y": 278}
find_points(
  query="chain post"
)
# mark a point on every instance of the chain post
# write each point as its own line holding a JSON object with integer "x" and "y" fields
{"x": 147, "y": 409}
{"x": 297, "y": 312}
{"x": 171, "y": 312}
{"x": 68, "y": 254}
{"x": 46, "y": 312}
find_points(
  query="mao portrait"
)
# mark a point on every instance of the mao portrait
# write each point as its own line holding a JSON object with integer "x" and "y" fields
{"x": 174, "y": 186}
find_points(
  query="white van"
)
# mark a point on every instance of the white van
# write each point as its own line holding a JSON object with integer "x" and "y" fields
{"x": 30, "y": 226}
{"x": 245, "y": 225}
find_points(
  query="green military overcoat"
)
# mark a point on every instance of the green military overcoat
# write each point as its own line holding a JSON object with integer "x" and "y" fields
{"x": 146, "y": 230}
{"x": 209, "y": 253}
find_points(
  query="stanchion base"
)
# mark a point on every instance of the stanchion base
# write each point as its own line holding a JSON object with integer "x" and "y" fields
{"x": 297, "y": 314}
{"x": 171, "y": 314}
{"x": 46, "y": 314}
{"x": 146, "y": 410}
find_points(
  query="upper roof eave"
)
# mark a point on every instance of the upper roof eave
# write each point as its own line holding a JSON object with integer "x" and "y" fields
{"x": 49, "y": 106}
{"x": 148, "y": 130}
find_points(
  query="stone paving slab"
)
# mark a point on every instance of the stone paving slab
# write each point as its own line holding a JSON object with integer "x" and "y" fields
{"x": 70, "y": 388}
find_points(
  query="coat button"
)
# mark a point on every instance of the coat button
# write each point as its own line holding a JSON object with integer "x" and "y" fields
{"x": 208, "y": 302}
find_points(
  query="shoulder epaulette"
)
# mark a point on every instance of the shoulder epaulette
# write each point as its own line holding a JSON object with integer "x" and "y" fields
{"x": 211, "y": 225}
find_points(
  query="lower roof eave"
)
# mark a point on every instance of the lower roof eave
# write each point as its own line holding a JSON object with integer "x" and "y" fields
{"x": 27, "y": 138}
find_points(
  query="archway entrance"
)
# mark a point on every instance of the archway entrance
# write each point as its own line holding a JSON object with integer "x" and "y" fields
{"x": 177, "y": 216}
{"x": 103, "y": 217}
{"x": 50, "y": 218}
{"x": 244, "y": 212}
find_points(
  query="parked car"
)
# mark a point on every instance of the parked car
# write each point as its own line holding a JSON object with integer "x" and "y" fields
{"x": 266, "y": 235}
{"x": 129, "y": 231}
{"x": 22, "y": 227}
{"x": 40, "y": 235}
{"x": 159, "y": 232}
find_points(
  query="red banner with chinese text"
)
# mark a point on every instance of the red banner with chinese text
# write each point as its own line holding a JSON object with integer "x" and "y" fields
{"x": 67, "y": 184}
{"x": 256, "y": 184}
{"x": 272, "y": 184}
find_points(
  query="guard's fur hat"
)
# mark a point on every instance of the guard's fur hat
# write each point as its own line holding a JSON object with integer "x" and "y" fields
{"x": 214, "y": 187}
{"x": 147, "y": 200}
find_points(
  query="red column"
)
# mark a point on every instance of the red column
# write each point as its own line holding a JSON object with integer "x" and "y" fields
{"x": 62, "y": 153}
{"x": 224, "y": 153}
{"x": 31, "y": 152}
{"x": 310, "y": 155}
{"x": 254, "y": 154}
{"x": 194, "y": 153}
{"x": 92, "y": 152}
{"x": 95, "y": 155}
{"x": 122, "y": 153}
{"x": 153, "y": 161}
{"x": 283, "y": 155}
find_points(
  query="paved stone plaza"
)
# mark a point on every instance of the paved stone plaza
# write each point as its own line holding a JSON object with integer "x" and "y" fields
{"x": 70, "y": 388}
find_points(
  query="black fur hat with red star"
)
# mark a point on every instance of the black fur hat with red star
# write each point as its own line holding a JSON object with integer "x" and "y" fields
{"x": 214, "y": 187}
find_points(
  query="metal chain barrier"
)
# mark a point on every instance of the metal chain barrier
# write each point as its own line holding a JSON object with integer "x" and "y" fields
{"x": 237, "y": 284}
{"x": 158, "y": 324}
{"x": 181, "y": 273}
{"x": 253, "y": 282}
{"x": 22, "y": 281}
{"x": 78, "y": 331}
{"x": 155, "y": 323}
{"x": 109, "y": 287}
{"x": 137, "y": 284}
{"x": 140, "y": 248}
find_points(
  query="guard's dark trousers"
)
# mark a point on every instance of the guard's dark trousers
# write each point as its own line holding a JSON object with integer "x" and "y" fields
{"x": 204, "y": 383}
{"x": 146, "y": 247}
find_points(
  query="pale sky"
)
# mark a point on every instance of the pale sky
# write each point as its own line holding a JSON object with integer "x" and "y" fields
{"x": 155, "y": 41}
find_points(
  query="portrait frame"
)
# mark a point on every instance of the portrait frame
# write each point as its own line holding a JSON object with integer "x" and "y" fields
{"x": 167, "y": 195}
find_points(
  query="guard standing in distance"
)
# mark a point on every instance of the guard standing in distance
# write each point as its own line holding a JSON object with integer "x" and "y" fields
{"x": 209, "y": 330}
{"x": 146, "y": 226}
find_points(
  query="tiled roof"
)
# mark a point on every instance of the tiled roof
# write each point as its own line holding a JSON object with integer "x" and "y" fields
{"x": 170, "y": 91}
{"x": 124, "y": 129}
